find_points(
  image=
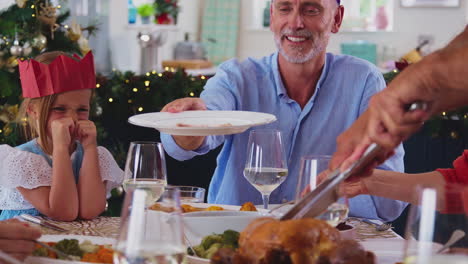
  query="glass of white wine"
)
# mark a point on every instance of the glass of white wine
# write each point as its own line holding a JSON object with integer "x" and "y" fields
{"x": 266, "y": 165}
{"x": 311, "y": 167}
{"x": 437, "y": 215}
{"x": 145, "y": 168}
{"x": 149, "y": 236}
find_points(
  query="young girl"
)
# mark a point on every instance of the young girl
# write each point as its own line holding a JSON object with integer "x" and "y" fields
{"x": 61, "y": 173}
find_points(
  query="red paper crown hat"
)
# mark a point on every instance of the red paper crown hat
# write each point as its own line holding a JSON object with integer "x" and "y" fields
{"x": 61, "y": 75}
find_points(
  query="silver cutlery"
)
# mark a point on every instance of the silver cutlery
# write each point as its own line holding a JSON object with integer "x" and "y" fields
{"x": 317, "y": 201}
{"x": 456, "y": 236}
{"x": 41, "y": 222}
{"x": 190, "y": 246}
{"x": 280, "y": 206}
{"x": 378, "y": 227}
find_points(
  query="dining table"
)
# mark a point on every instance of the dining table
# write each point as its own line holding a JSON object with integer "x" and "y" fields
{"x": 387, "y": 245}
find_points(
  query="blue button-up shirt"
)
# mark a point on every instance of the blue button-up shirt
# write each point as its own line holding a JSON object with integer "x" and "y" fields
{"x": 341, "y": 95}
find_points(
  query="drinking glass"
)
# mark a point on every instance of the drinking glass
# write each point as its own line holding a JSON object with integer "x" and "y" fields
{"x": 191, "y": 194}
{"x": 145, "y": 168}
{"x": 149, "y": 236}
{"x": 266, "y": 166}
{"x": 310, "y": 169}
{"x": 437, "y": 214}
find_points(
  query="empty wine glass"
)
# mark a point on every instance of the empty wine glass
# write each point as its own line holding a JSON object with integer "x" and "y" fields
{"x": 266, "y": 166}
{"x": 437, "y": 215}
{"x": 310, "y": 169}
{"x": 149, "y": 236}
{"x": 145, "y": 168}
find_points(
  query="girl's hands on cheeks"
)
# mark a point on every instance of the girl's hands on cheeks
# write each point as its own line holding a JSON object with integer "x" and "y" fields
{"x": 62, "y": 131}
{"x": 65, "y": 131}
{"x": 86, "y": 133}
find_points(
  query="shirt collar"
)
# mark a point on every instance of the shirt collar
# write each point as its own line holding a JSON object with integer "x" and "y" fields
{"x": 281, "y": 90}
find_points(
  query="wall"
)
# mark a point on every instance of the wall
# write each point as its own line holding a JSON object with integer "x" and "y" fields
{"x": 124, "y": 45}
{"x": 442, "y": 23}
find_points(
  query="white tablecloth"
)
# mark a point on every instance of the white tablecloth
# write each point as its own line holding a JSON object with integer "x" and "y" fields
{"x": 387, "y": 245}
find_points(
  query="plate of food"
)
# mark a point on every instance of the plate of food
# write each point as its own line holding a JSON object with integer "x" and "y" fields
{"x": 202, "y": 123}
{"x": 198, "y": 207}
{"x": 268, "y": 240}
{"x": 87, "y": 249}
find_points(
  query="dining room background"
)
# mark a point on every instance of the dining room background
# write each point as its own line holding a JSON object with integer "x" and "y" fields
{"x": 138, "y": 60}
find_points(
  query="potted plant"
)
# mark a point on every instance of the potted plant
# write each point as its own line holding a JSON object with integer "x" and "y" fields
{"x": 166, "y": 11}
{"x": 145, "y": 11}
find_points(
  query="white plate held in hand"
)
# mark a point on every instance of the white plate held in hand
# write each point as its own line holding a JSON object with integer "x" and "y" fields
{"x": 202, "y": 123}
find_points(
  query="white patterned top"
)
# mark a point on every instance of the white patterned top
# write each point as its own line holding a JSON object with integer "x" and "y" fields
{"x": 20, "y": 168}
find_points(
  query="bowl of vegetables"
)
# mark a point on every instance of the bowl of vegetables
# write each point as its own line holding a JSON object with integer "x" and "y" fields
{"x": 198, "y": 225}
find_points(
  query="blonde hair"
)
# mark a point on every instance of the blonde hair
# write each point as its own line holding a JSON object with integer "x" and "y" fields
{"x": 31, "y": 127}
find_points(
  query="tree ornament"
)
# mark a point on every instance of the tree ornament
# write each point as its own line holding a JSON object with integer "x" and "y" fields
{"x": 48, "y": 16}
{"x": 74, "y": 32}
{"x": 119, "y": 191}
{"x": 8, "y": 113}
{"x": 16, "y": 49}
{"x": 12, "y": 62}
{"x": 83, "y": 44}
{"x": 21, "y": 3}
{"x": 39, "y": 42}
{"x": 27, "y": 48}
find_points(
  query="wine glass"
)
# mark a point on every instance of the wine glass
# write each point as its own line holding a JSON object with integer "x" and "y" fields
{"x": 191, "y": 194}
{"x": 145, "y": 168}
{"x": 437, "y": 215}
{"x": 310, "y": 169}
{"x": 149, "y": 236}
{"x": 266, "y": 166}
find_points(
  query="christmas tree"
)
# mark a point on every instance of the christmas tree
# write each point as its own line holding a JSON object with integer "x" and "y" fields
{"x": 27, "y": 29}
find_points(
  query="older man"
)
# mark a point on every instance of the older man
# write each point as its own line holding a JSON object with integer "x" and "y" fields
{"x": 315, "y": 96}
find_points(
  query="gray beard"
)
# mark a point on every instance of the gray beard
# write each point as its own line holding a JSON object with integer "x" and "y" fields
{"x": 319, "y": 45}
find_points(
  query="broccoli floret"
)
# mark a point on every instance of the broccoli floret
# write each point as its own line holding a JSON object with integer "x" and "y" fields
{"x": 210, "y": 252}
{"x": 199, "y": 250}
{"x": 40, "y": 252}
{"x": 210, "y": 244}
{"x": 231, "y": 238}
{"x": 70, "y": 247}
{"x": 210, "y": 240}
